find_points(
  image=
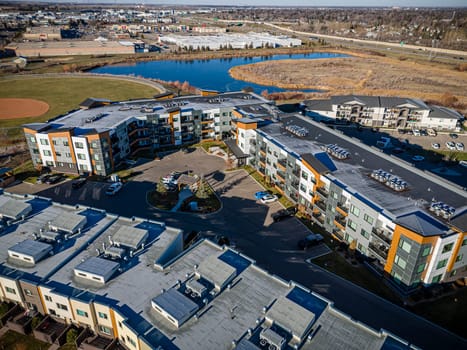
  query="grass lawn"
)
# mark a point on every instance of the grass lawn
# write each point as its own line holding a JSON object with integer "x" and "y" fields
{"x": 448, "y": 312}
{"x": 16, "y": 341}
{"x": 207, "y": 144}
{"x": 65, "y": 94}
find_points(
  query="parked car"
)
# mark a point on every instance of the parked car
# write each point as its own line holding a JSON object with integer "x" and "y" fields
{"x": 463, "y": 163}
{"x": 432, "y": 132}
{"x": 423, "y": 132}
{"x": 397, "y": 150}
{"x": 269, "y": 198}
{"x": 54, "y": 179}
{"x": 435, "y": 145}
{"x": 79, "y": 183}
{"x": 310, "y": 240}
{"x": 43, "y": 178}
{"x": 284, "y": 213}
{"x": 451, "y": 145}
{"x": 453, "y": 136}
{"x": 459, "y": 146}
{"x": 416, "y": 132}
{"x": 418, "y": 158}
{"x": 114, "y": 188}
{"x": 261, "y": 194}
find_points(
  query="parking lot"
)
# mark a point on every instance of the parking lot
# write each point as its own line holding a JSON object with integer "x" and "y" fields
{"x": 248, "y": 224}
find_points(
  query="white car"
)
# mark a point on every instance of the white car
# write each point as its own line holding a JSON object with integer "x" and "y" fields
{"x": 416, "y": 132}
{"x": 418, "y": 158}
{"x": 114, "y": 188}
{"x": 435, "y": 145}
{"x": 269, "y": 198}
{"x": 459, "y": 146}
{"x": 451, "y": 145}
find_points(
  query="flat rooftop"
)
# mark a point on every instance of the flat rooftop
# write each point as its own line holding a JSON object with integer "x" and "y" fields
{"x": 353, "y": 173}
{"x": 114, "y": 114}
{"x": 43, "y": 212}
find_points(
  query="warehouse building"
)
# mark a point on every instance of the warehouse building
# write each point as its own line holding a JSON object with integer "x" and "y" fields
{"x": 413, "y": 225}
{"x": 95, "y": 138}
{"x": 206, "y": 297}
{"x": 386, "y": 112}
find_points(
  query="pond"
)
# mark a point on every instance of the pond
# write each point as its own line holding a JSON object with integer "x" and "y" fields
{"x": 212, "y": 74}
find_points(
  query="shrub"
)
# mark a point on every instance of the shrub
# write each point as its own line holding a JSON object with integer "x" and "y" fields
{"x": 71, "y": 336}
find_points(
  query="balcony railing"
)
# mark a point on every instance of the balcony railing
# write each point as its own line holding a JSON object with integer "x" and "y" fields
{"x": 321, "y": 205}
{"x": 338, "y": 233}
{"x": 379, "y": 250}
{"x": 323, "y": 191}
{"x": 318, "y": 217}
{"x": 281, "y": 176}
{"x": 296, "y": 172}
{"x": 340, "y": 219}
{"x": 282, "y": 163}
{"x": 379, "y": 233}
{"x": 295, "y": 184}
{"x": 343, "y": 207}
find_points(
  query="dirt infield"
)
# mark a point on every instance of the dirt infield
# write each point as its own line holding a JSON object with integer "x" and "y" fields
{"x": 12, "y": 108}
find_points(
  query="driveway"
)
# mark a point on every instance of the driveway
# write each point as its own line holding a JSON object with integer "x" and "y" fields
{"x": 248, "y": 223}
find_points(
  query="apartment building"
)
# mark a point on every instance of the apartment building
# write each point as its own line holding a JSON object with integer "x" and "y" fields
{"x": 206, "y": 297}
{"x": 413, "y": 224}
{"x": 95, "y": 138}
{"x": 386, "y": 112}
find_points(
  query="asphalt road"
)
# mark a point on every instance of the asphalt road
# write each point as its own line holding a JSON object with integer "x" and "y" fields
{"x": 248, "y": 223}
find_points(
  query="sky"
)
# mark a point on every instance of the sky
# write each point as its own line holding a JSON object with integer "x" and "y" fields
{"x": 288, "y": 3}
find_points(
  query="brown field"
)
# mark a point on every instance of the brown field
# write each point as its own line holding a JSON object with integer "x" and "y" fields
{"x": 364, "y": 75}
{"x": 13, "y": 108}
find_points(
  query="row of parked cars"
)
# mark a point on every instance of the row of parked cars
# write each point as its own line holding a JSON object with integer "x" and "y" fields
{"x": 49, "y": 179}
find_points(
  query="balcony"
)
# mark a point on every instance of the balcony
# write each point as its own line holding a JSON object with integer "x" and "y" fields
{"x": 318, "y": 217}
{"x": 262, "y": 148}
{"x": 253, "y": 142}
{"x": 280, "y": 176}
{"x": 343, "y": 207}
{"x": 262, "y": 159}
{"x": 338, "y": 233}
{"x": 322, "y": 191}
{"x": 295, "y": 184}
{"x": 340, "y": 219}
{"x": 321, "y": 205}
{"x": 379, "y": 249}
{"x": 282, "y": 163}
{"x": 381, "y": 235}
{"x": 296, "y": 172}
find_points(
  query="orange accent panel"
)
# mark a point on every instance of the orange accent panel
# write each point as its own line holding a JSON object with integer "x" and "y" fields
{"x": 315, "y": 173}
{"x": 237, "y": 114}
{"x": 114, "y": 323}
{"x": 29, "y": 131}
{"x": 247, "y": 126}
{"x": 340, "y": 210}
{"x": 42, "y": 300}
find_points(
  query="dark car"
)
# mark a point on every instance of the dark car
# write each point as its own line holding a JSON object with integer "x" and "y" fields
{"x": 79, "y": 183}
{"x": 310, "y": 240}
{"x": 284, "y": 213}
{"x": 453, "y": 136}
{"x": 42, "y": 178}
{"x": 54, "y": 179}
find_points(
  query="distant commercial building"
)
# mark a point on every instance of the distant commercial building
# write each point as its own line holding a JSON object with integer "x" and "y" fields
{"x": 412, "y": 224}
{"x": 95, "y": 138}
{"x": 71, "y": 48}
{"x": 128, "y": 284}
{"x": 42, "y": 33}
{"x": 234, "y": 41}
{"x": 386, "y": 112}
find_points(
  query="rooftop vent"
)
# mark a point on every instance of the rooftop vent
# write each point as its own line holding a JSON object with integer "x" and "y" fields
{"x": 95, "y": 117}
{"x": 393, "y": 182}
{"x": 297, "y": 130}
{"x": 337, "y": 152}
{"x": 441, "y": 209}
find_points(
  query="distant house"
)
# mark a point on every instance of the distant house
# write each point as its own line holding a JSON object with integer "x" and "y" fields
{"x": 381, "y": 111}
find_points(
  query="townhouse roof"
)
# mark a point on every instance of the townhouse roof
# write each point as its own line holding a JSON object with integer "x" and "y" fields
{"x": 130, "y": 237}
{"x": 68, "y": 222}
{"x": 176, "y": 304}
{"x": 98, "y": 266}
{"x": 13, "y": 209}
{"x": 31, "y": 248}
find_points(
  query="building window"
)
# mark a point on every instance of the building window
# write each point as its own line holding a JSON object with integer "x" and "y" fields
{"x": 32, "y": 139}
{"x": 464, "y": 242}
{"x": 47, "y": 153}
{"x": 131, "y": 341}
{"x": 352, "y": 225}
{"x": 119, "y": 324}
{"x": 52, "y": 312}
{"x": 405, "y": 246}
{"x": 354, "y": 210}
{"x": 44, "y": 142}
{"x": 61, "y": 307}
{"x": 447, "y": 248}
{"x": 48, "y": 298}
{"x": 81, "y": 313}
{"x": 102, "y": 315}
{"x": 459, "y": 257}
{"x": 105, "y": 330}
{"x": 400, "y": 262}
{"x": 10, "y": 290}
{"x": 420, "y": 268}
{"x": 65, "y": 143}
{"x": 426, "y": 251}
{"x": 436, "y": 279}
{"x": 98, "y": 167}
{"x": 365, "y": 234}
{"x": 27, "y": 292}
{"x": 368, "y": 219}
{"x": 79, "y": 145}
{"x": 442, "y": 263}
{"x": 49, "y": 163}
{"x": 68, "y": 155}
{"x": 361, "y": 248}
{"x": 96, "y": 156}
{"x": 304, "y": 175}
{"x": 81, "y": 156}
{"x": 58, "y": 154}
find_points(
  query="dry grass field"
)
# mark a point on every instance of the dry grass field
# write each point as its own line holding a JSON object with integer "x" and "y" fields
{"x": 365, "y": 75}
